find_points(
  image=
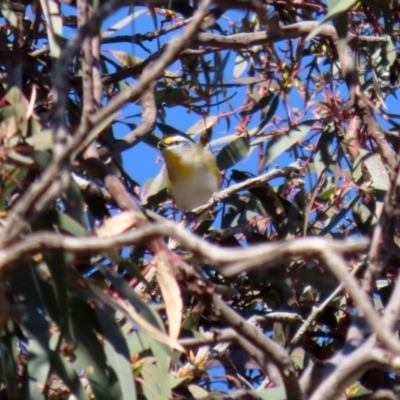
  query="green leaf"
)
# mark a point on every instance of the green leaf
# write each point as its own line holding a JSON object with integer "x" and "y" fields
{"x": 277, "y": 393}
{"x": 9, "y": 361}
{"x": 198, "y": 392}
{"x": 223, "y": 140}
{"x": 251, "y": 80}
{"x": 67, "y": 224}
{"x": 375, "y": 167}
{"x": 172, "y": 96}
{"x": 339, "y": 216}
{"x": 278, "y": 145}
{"x": 54, "y": 25}
{"x": 9, "y": 14}
{"x": 27, "y": 282}
{"x": 117, "y": 351}
{"x": 270, "y": 109}
{"x": 138, "y": 342}
{"x": 363, "y": 218}
{"x": 151, "y": 379}
{"x": 220, "y": 67}
{"x": 89, "y": 351}
{"x": 341, "y": 24}
{"x": 57, "y": 263}
{"x": 14, "y": 114}
{"x": 75, "y": 205}
{"x": 241, "y": 63}
{"x": 123, "y": 288}
{"x": 378, "y": 172}
{"x": 167, "y": 129}
{"x": 95, "y": 132}
{"x": 323, "y": 153}
{"x": 202, "y": 125}
{"x": 327, "y": 194}
{"x": 68, "y": 375}
{"x": 391, "y": 53}
{"x": 299, "y": 358}
{"x": 233, "y": 153}
{"x": 42, "y": 141}
{"x": 153, "y": 187}
{"x": 36, "y": 330}
{"x": 336, "y": 8}
{"x": 120, "y": 24}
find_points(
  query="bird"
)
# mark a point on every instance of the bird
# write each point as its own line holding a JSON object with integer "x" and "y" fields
{"x": 192, "y": 172}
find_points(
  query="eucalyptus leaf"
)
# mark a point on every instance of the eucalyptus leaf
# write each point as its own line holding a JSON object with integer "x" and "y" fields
{"x": 233, "y": 152}
{"x": 117, "y": 352}
{"x": 335, "y": 9}
{"x": 279, "y": 144}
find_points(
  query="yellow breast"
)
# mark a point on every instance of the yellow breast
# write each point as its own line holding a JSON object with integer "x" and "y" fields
{"x": 192, "y": 179}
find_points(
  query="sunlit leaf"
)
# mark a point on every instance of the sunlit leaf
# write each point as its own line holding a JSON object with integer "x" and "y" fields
{"x": 241, "y": 63}
{"x": 171, "y": 294}
{"x": 197, "y": 391}
{"x": 272, "y": 393}
{"x": 52, "y": 12}
{"x": 202, "y": 125}
{"x": 335, "y": 9}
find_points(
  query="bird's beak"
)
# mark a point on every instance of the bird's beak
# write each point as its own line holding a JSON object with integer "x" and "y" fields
{"x": 161, "y": 145}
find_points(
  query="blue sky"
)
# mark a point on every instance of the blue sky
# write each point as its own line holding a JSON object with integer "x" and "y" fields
{"x": 177, "y": 117}
{"x": 143, "y": 162}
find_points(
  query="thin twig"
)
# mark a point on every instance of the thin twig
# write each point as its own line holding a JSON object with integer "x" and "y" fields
{"x": 317, "y": 310}
{"x": 56, "y": 176}
{"x": 146, "y": 126}
{"x": 172, "y": 50}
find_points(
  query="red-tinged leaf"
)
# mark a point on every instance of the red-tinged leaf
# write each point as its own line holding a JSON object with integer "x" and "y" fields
{"x": 171, "y": 294}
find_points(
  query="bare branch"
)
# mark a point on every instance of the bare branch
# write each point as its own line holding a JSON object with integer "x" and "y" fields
{"x": 383, "y": 232}
{"x": 255, "y": 256}
{"x": 356, "y": 364}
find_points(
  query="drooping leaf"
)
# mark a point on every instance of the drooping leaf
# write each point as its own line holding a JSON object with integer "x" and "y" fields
{"x": 9, "y": 361}
{"x": 202, "y": 125}
{"x": 68, "y": 375}
{"x": 117, "y": 352}
{"x": 233, "y": 152}
{"x": 278, "y": 145}
{"x": 277, "y": 393}
{"x": 241, "y": 63}
{"x": 171, "y": 294}
{"x": 74, "y": 203}
{"x": 335, "y": 8}
{"x": 9, "y": 14}
{"x": 197, "y": 391}
{"x": 57, "y": 263}
{"x": 52, "y": 12}
{"x": 35, "y": 328}
{"x": 151, "y": 382}
{"x": 89, "y": 352}
{"x": 144, "y": 316}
